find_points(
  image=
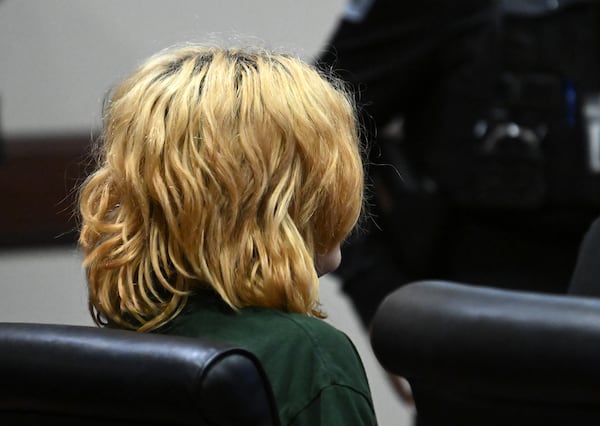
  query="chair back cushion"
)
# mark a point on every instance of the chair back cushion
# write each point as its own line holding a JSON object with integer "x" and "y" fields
{"x": 485, "y": 356}
{"x": 60, "y": 374}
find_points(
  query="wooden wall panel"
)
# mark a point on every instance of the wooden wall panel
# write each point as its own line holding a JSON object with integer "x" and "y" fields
{"x": 38, "y": 180}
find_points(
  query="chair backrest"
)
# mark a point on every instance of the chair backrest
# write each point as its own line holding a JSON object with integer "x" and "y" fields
{"x": 484, "y": 356}
{"x": 73, "y": 375}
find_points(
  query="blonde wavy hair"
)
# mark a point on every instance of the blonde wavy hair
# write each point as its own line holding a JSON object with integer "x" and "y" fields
{"x": 218, "y": 168}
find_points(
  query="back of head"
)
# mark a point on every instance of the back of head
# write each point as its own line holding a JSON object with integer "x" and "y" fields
{"x": 220, "y": 168}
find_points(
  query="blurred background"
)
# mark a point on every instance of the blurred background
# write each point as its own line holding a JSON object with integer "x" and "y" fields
{"x": 59, "y": 58}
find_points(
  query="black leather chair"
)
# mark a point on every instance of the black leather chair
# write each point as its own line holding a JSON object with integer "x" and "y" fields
{"x": 484, "y": 356}
{"x": 73, "y": 375}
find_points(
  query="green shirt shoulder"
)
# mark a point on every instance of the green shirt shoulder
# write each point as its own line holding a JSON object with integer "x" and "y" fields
{"x": 315, "y": 370}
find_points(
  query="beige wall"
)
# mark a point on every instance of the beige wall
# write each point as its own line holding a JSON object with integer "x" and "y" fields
{"x": 59, "y": 57}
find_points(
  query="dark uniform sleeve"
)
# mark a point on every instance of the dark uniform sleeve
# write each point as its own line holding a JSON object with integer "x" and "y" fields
{"x": 586, "y": 277}
{"x": 337, "y": 405}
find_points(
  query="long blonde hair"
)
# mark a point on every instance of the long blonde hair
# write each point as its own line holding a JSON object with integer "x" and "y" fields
{"x": 219, "y": 168}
